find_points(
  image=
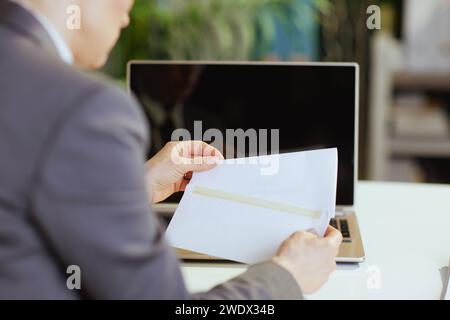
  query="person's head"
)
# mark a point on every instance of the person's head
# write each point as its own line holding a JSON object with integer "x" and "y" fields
{"x": 101, "y": 23}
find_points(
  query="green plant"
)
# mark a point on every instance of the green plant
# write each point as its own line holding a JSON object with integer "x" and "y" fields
{"x": 207, "y": 29}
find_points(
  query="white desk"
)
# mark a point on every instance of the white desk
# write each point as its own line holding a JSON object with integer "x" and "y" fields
{"x": 406, "y": 234}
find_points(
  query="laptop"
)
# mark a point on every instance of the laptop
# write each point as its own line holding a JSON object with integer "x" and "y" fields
{"x": 313, "y": 105}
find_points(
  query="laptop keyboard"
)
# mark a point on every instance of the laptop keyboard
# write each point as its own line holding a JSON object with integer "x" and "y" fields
{"x": 342, "y": 226}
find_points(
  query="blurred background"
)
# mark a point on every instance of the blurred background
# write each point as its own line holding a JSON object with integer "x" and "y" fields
{"x": 405, "y": 66}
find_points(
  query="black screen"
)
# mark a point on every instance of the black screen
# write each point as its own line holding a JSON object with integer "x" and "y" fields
{"x": 313, "y": 106}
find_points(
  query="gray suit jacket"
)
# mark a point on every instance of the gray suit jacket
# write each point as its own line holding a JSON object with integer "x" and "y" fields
{"x": 72, "y": 190}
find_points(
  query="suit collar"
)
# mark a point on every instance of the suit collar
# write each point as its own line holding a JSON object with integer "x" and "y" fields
{"x": 22, "y": 22}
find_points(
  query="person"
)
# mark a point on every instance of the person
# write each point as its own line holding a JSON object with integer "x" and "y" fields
{"x": 75, "y": 190}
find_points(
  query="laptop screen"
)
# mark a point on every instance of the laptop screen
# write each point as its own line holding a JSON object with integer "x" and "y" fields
{"x": 311, "y": 105}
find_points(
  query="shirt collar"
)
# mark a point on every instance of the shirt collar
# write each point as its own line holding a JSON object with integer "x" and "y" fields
{"x": 61, "y": 46}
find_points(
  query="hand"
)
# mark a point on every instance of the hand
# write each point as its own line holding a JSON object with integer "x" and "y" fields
{"x": 171, "y": 169}
{"x": 310, "y": 259}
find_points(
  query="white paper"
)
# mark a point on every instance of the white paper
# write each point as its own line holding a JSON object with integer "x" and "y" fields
{"x": 244, "y": 211}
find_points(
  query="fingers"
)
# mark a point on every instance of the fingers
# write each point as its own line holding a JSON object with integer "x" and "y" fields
{"x": 211, "y": 151}
{"x": 197, "y": 164}
{"x": 188, "y": 176}
{"x": 333, "y": 236}
{"x": 189, "y": 149}
{"x": 182, "y": 185}
{"x": 330, "y": 234}
{"x": 302, "y": 235}
{"x": 195, "y": 156}
{"x": 330, "y": 229}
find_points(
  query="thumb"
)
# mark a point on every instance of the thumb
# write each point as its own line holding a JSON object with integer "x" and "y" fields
{"x": 333, "y": 236}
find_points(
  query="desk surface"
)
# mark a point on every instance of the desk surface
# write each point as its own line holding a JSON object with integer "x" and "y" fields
{"x": 406, "y": 234}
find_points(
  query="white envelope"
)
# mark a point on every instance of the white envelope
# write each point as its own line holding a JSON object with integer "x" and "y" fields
{"x": 245, "y": 208}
